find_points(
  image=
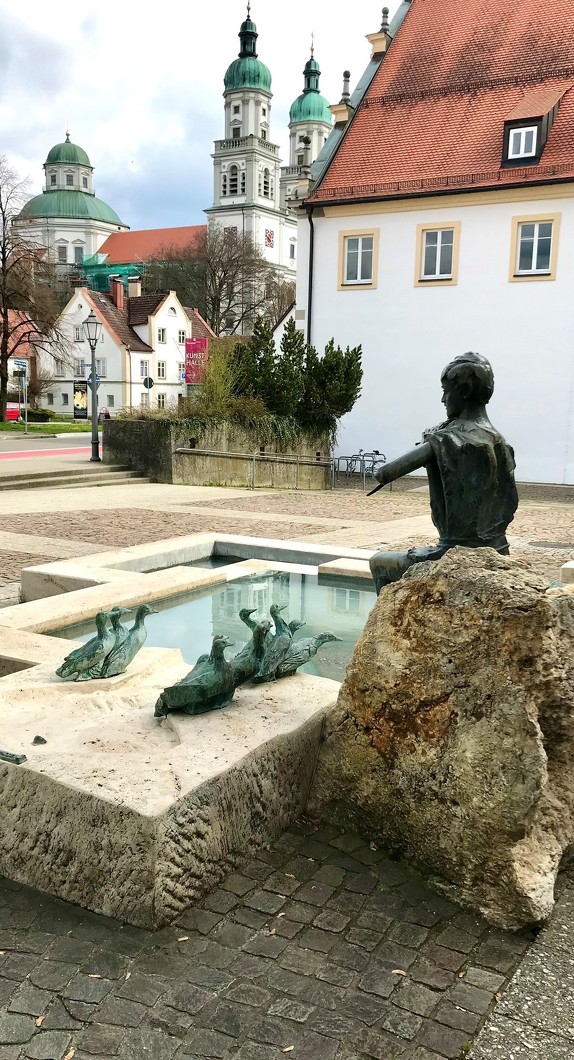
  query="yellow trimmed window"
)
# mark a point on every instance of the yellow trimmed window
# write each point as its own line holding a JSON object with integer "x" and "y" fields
{"x": 534, "y": 247}
{"x": 437, "y": 253}
{"x": 358, "y": 259}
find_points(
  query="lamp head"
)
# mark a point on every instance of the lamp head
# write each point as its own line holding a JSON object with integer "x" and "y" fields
{"x": 92, "y": 328}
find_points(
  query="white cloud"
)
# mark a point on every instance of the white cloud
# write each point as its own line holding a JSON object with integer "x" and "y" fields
{"x": 141, "y": 87}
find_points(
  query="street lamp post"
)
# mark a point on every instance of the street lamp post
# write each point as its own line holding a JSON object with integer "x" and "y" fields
{"x": 92, "y": 330}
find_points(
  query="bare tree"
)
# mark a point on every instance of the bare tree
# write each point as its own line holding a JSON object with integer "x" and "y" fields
{"x": 225, "y": 275}
{"x": 29, "y": 302}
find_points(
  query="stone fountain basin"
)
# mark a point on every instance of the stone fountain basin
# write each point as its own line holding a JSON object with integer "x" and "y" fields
{"x": 135, "y": 818}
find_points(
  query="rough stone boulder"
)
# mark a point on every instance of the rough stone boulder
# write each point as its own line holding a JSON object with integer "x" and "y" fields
{"x": 452, "y": 742}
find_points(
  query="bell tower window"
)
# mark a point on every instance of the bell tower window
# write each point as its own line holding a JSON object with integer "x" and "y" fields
{"x": 224, "y": 184}
{"x": 52, "y": 179}
{"x": 236, "y": 134}
{"x": 243, "y": 182}
{"x": 69, "y": 180}
{"x": 233, "y": 180}
{"x": 266, "y": 183}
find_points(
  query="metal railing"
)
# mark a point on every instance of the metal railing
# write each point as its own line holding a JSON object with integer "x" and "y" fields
{"x": 363, "y": 464}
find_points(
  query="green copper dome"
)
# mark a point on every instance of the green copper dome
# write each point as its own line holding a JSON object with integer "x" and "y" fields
{"x": 68, "y": 203}
{"x": 311, "y": 105}
{"x": 247, "y": 71}
{"x": 68, "y": 152}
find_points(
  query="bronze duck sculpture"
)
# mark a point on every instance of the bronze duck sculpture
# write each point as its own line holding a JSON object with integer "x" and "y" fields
{"x": 84, "y": 663}
{"x": 211, "y": 689}
{"x": 277, "y": 646}
{"x": 301, "y": 651}
{"x": 122, "y": 655}
{"x": 247, "y": 662}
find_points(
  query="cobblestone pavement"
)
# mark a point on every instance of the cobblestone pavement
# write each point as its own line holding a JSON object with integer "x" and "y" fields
{"x": 317, "y": 947}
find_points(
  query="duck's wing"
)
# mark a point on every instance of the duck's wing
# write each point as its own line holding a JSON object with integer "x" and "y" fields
{"x": 274, "y": 655}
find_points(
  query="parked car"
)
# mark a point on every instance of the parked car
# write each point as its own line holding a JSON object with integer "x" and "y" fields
{"x": 12, "y": 411}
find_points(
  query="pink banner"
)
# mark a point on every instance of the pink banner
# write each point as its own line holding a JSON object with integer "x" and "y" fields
{"x": 196, "y": 354}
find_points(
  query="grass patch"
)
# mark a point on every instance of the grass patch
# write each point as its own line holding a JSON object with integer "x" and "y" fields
{"x": 10, "y": 427}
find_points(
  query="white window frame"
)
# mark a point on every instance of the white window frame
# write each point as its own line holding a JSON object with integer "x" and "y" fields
{"x": 65, "y": 399}
{"x": 79, "y": 368}
{"x": 78, "y": 333}
{"x": 78, "y": 255}
{"x": 144, "y": 400}
{"x": 101, "y": 367}
{"x": 162, "y": 369}
{"x": 161, "y": 400}
{"x": 144, "y": 369}
{"x": 111, "y": 401}
{"x": 162, "y": 336}
{"x": 440, "y": 233}
{"x": 360, "y": 279}
{"x": 49, "y": 398}
{"x": 59, "y": 367}
{"x": 535, "y": 243}
{"x": 522, "y": 133}
{"x": 181, "y": 371}
{"x": 62, "y": 254}
{"x": 181, "y": 336}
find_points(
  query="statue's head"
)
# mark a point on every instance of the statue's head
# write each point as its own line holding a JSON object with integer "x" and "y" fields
{"x": 467, "y": 380}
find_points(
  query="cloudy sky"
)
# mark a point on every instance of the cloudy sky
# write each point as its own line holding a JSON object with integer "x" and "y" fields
{"x": 141, "y": 87}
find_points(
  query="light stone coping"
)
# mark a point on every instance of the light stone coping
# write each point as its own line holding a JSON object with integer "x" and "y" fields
{"x": 134, "y": 818}
{"x": 347, "y": 568}
{"x": 567, "y": 572}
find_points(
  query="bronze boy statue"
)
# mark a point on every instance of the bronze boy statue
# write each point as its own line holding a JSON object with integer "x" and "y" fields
{"x": 470, "y": 471}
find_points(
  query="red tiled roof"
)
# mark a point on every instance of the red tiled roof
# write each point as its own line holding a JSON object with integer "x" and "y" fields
{"x": 116, "y": 321}
{"x": 21, "y": 335}
{"x": 433, "y": 117}
{"x": 125, "y": 248}
{"x": 200, "y": 329}
{"x": 142, "y": 308}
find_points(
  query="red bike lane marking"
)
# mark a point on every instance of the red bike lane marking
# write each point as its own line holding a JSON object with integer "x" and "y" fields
{"x": 21, "y": 454}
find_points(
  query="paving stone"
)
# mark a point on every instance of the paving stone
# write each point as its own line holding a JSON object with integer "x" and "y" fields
{"x": 220, "y": 901}
{"x": 484, "y": 980}
{"x": 314, "y": 893}
{"x": 250, "y": 917}
{"x": 300, "y": 913}
{"x": 315, "y": 939}
{"x": 307, "y": 962}
{"x": 324, "y": 995}
{"x": 281, "y": 884}
{"x": 473, "y": 925}
{"x": 367, "y": 940}
{"x": 10, "y": 1052}
{"x": 229, "y": 934}
{"x": 217, "y": 956}
{"x": 15, "y": 1028}
{"x": 374, "y": 922}
{"x": 120, "y": 1011}
{"x": 275, "y": 1031}
{"x": 265, "y": 901}
{"x": 393, "y": 955}
{"x": 333, "y": 1025}
{"x": 48, "y": 1045}
{"x": 369, "y": 855}
{"x": 399, "y": 1021}
{"x": 390, "y": 872}
{"x": 257, "y": 870}
{"x": 99, "y": 929}
{"x": 332, "y": 973}
{"x": 81, "y": 1011}
{"x": 36, "y": 941}
{"x": 318, "y": 851}
{"x": 58, "y": 1018}
{"x": 84, "y": 988}
{"x": 188, "y": 998}
{"x": 456, "y": 1017}
{"x": 286, "y": 928}
{"x": 326, "y": 832}
{"x": 142, "y": 988}
{"x": 19, "y": 965}
{"x": 256, "y": 1051}
{"x": 387, "y": 903}
{"x": 100, "y": 1038}
{"x": 349, "y": 956}
{"x": 470, "y": 997}
{"x": 288, "y": 842}
{"x": 421, "y": 914}
{"x": 238, "y": 884}
{"x": 230, "y": 1018}
{"x": 347, "y": 902}
{"x": 346, "y": 842}
{"x": 211, "y": 978}
{"x": 29, "y": 1000}
{"x": 202, "y": 920}
{"x": 363, "y": 1007}
{"x": 302, "y": 868}
{"x": 378, "y": 981}
{"x": 330, "y": 920}
{"x": 171, "y": 1020}
{"x": 52, "y": 975}
{"x": 317, "y": 1047}
{"x": 495, "y": 956}
{"x": 250, "y": 966}
{"x": 204, "y": 1042}
{"x": 330, "y": 875}
{"x": 290, "y": 1009}
{"x": 416, "y": 998}
{"x": 457, "y": 940}
{"x": 448, "y": 959}
{"x": 425, "y": 1054}
{"x": 148, "y": 1043}
{"x": 249, "y": 994}
{"x": 73, "y": 951}
{"x": 412, "y": 935}
{"x": 7, "y": 988}
{"x": 360, "y": 883}
{"x": 379, "y": 1044}
{"x": 432, "y": 975}
{"x": 443, "y": 1040}
{"x": 287, "y": 982}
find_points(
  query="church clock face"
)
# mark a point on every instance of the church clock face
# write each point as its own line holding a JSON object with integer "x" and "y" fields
{"x": 269, "y": 237}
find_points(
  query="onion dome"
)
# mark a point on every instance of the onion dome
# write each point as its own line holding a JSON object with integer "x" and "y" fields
{"x": 247, "y": 71}
{"x": 311, "y": 105}
{"x": 68, "y": 152}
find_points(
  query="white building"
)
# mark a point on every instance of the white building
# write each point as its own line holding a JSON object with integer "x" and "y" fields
{"x": 442, "y": 220}
{"x": 66, "y": 217}
{"x": 142, "y": 337}
{"x": 249, "y": 192}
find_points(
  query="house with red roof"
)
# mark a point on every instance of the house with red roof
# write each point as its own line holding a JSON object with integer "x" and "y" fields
{"x": 142, "y": 337}
{"x": 439, "y": 218}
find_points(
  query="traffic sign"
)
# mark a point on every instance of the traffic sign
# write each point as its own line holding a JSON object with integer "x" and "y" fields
{"x": 89, "y": 381}
{"x": 148, "y": 382}
{"x": 20, "y": 364}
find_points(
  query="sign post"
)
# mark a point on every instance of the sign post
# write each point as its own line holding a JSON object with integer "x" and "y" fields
{"x": 196, "y": 354}
{"x": 22, "y": 375}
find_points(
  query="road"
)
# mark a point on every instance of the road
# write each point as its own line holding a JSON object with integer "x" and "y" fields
{"x": 20, "y": 446}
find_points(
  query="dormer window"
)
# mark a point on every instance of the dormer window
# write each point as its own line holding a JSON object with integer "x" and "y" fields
{"x": 522, "y": 143}
{"x": 69, "y": 180}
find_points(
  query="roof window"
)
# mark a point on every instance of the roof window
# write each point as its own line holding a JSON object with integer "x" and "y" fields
{"x": 522, "y": 143}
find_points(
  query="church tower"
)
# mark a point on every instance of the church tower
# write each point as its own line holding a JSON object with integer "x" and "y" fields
{"x": 246, "y": 163}
{"x": 310, "y": 123}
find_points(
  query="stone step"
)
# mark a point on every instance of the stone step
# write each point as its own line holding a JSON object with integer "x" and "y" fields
{"x": 91, "y": 476}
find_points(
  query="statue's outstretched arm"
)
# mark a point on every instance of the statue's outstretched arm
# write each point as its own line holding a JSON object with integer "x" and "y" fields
{"x": 403, "y": 465}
